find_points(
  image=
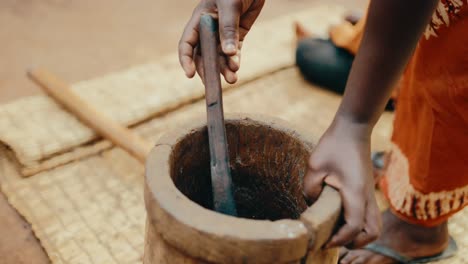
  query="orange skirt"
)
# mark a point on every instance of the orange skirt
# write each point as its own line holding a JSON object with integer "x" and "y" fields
{"x": 426, "y": 180}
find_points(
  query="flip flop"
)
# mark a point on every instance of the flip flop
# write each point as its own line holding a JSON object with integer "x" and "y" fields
{"x": 449, "y": 252}
{"x": 378, "y": 159}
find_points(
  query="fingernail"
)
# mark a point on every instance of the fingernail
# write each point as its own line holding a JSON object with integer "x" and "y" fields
{"x": 236, "y": 59}
{"x": 230, "y": 47}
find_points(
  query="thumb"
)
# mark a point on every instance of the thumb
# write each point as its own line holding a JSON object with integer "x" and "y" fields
{"x": 313, "y": 184}
{"x": 229, "y": 16}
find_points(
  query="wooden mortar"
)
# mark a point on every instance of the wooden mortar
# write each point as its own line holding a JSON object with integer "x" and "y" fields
{"x": 268, "y": 161}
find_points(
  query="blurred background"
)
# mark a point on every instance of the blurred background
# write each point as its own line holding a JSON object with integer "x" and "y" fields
{"x": 83, "y": 39}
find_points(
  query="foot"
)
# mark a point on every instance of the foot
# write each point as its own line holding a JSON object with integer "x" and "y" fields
{"x": 407, "y": 239}
{"x": 301, "y": 32}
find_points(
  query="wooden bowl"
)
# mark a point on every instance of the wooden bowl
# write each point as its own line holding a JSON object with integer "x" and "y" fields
{"x": 268, "y": 160}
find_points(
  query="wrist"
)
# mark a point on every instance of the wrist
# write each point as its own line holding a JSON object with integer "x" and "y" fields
{"x": 348, "y": 126}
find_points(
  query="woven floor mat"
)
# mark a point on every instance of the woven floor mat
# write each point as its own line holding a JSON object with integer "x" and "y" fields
{"x": 92, "y": 211}
{"x": 33, "y": 127}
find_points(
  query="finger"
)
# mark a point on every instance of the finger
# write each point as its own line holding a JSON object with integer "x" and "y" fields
{"x": 354, "y": 203}
{"x": 229, "y": 15}
{"x": 249, "y": 17}
{"x": 313, "y": 184}
{"x": 314, "y": 178}
{"x": 234, "y": 62}
{"x": 186, "y": 59}
{"x": 200, "y": 68}
{"x": 199, "y": 64}
{"x": 348, "y": 258}
{"x": 372, "y": 226}
{"x": 359, "y": 260}
{"x": 187, "y": 44}
{"x": 229, "y": 76}
{"x": 343, "y": 252}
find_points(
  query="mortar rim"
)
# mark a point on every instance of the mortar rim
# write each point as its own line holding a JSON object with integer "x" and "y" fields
{"x": 173, "y": 213}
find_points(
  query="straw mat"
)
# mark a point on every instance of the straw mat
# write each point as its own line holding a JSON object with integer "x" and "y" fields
{"x": 91, "y": 210}
{"x": 33, "y": 127}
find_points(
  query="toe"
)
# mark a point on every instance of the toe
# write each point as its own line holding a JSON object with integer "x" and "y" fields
{"x": 362, "y": 256}
{"x": 343, "y": 252}
{"x": 348, "y": 258}
{"x": 379, "y": 259}
{"x": 359, "y": 260}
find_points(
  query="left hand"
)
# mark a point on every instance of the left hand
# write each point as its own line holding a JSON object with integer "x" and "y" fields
{"x": 342, "y": 160}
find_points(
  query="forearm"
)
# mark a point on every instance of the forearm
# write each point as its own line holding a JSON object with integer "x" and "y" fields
{"x": 391, "y": 33}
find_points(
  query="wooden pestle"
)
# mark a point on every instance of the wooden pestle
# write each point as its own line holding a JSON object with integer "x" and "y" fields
{"x": 86, "y": 113}
{"x": 221, "y": 181}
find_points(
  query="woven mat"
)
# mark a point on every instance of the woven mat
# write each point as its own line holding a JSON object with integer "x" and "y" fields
{"x": 91, "y": 210}
{"x": 33, "y": 127}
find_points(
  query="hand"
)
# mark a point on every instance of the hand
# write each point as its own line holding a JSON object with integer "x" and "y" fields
{"x": 342, "y": 160}
{"x": 342, "y": 34}
{"x": 236, "y": 17}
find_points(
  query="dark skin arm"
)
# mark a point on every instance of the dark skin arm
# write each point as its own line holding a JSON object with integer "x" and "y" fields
{"x": 391, "y": 34}
{"x": 342, "y": 156}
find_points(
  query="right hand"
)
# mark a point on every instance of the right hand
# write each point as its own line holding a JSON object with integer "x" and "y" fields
{"x": 236, "y": 17}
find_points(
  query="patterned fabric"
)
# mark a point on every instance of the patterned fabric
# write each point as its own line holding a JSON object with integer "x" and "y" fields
{"x": 446, "y": 11}
{"x": 427, "y": 176}
{"x": 417, "y": 207}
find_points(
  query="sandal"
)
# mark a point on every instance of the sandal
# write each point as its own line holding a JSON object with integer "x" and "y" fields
{"x": 449, "y": 252}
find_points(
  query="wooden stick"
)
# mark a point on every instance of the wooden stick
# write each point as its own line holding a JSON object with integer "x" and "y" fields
{"x": 103, "y": 125}
{"x": 223, "y": 198}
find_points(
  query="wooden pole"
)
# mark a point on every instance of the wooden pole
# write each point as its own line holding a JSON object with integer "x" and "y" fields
{"x": 223, "y": 198}
{"x": 102, "y": 124}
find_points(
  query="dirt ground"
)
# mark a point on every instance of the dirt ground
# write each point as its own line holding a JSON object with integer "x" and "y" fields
{"x": 83, "y": 39}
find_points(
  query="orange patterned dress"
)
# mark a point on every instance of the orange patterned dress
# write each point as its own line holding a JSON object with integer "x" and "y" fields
{"x": 426, "y": 180}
